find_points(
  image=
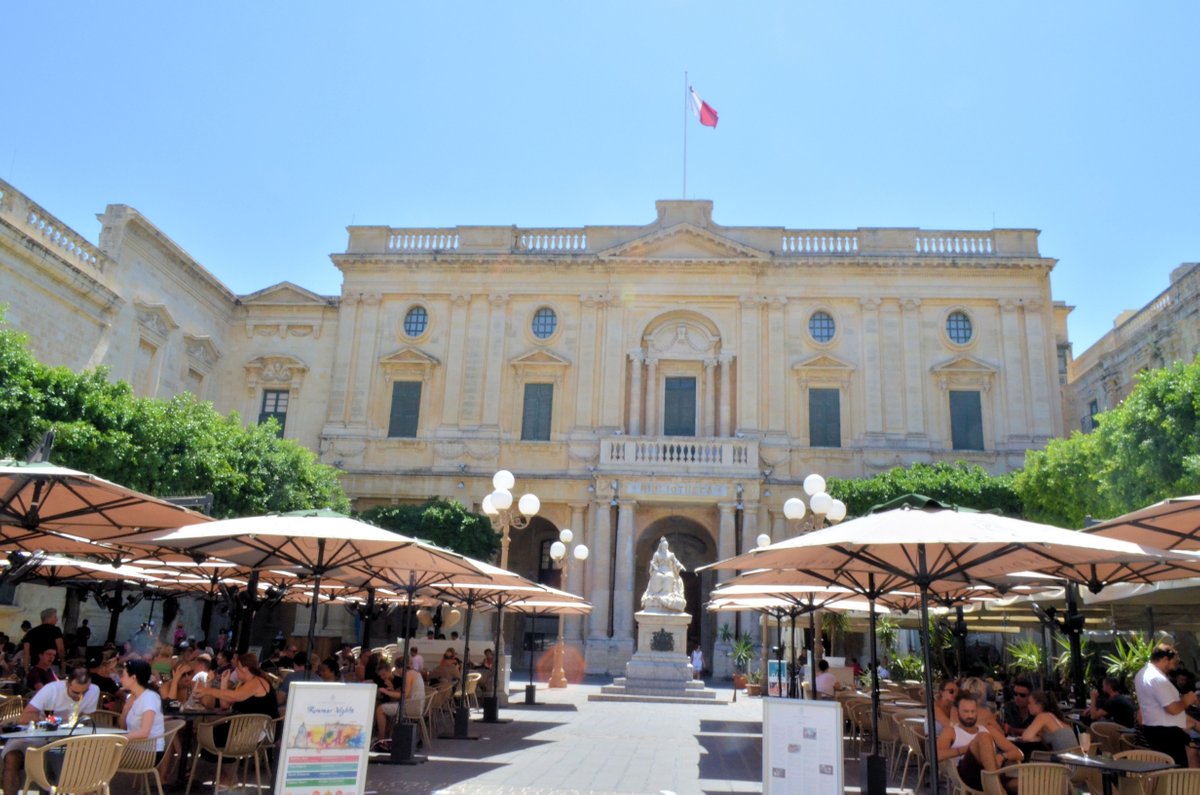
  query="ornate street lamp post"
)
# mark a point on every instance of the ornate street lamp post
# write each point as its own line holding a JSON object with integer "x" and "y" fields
{"x": 498, "y": 507}
{"x": 558, "y": 551}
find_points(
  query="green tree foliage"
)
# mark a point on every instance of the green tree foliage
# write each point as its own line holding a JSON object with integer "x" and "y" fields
{"x": 443, "y": 522}
{"x": 1145, "y": 450}
{"x": 968, "y": 485}
{"x": 162, "y": 447}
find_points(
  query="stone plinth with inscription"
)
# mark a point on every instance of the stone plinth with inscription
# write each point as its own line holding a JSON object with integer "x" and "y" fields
{"x": 660, "y": 670}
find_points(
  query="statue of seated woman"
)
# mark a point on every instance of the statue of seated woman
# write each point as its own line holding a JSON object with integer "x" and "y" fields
{"x": 664, "y": 591}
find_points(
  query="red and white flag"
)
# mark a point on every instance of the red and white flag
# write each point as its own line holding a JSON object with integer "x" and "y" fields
{"x": 704, "y": 111}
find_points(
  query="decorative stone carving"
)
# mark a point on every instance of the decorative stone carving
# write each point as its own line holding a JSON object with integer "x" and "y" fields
{"x": 665, "y": 589}
{"x": 662, "y": 640}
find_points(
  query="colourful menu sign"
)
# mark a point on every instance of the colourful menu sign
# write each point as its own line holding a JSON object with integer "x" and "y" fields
{"x": 326, "y": 739}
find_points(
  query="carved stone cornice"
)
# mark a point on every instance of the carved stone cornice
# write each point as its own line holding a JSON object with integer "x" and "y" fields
{"x": 870, "y": 304}
{"x": 910, "y": 304}
{"x": 499, "y": 299}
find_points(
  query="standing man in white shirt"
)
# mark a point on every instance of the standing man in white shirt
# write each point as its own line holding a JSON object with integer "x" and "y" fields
{"x": 1164, "y": 720}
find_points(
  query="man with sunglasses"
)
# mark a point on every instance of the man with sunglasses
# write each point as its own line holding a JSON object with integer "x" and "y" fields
{"x": 1016, "y": 710}
{"x": 75, "y": 695}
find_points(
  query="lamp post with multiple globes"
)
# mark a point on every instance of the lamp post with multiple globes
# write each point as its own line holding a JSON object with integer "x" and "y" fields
{"x": 498, "y": 507}
{"x": 558, "y": 552}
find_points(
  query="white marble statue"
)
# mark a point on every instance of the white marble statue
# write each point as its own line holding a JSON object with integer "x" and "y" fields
{"x": 665, "y": 589}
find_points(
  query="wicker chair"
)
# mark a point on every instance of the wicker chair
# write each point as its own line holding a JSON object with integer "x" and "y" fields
{"x": 1108, "y": 736}
{"x": 268, "y": 744}
{"x": 139, "y": 758}
{"x": 1172, "y": 782}
{"x": 957, "y": 785}
{"x": 241, "y": 745}
{"x": 89, "y": 763}
{"x": 106, "y": 719}
{"x": 1033, "y": 778}
{"x": 912, "y": 736}
{"x": 470, "y": 699}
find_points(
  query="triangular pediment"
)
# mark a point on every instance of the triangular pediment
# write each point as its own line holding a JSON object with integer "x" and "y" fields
{"x": 683, "y": 242}
{"x": 285, "y": 293}
{"x": 964, "y": 365}
{"x": 408, "y": 357}
{"x": 539, "y": 358}
{"x": 823, "y": 361}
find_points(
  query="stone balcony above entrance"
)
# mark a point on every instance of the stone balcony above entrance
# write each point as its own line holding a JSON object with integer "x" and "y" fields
{"x": 678, "y": 455}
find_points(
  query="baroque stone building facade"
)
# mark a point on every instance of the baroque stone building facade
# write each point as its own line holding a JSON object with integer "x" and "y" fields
{"x": 676, "y": 379}
{"x": 1164, "y": 331}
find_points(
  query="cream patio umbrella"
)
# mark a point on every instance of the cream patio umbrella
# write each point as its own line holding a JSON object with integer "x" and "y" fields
{"x": 316, "y": 544}
{"x": 917, "y": 547}
{"x": 555, "y": 603}
{"x": 42, "y": 499}
{"x": 1171, "y": 524}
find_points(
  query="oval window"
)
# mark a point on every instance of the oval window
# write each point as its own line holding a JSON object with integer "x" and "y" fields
{"x": 545, "y": 321}
{"x": 416, "y": 321}
{"x": 958, "y": 328}
{"x": 821, "y": 326}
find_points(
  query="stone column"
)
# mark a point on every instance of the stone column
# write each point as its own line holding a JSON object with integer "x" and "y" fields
{"x": 345, "y": 353}
{"x": 710, "y": 398}
{"x": 726, "y": 408}
{"x": 599, "y": 569}
{"x": 872, "y": 388}
{"x": 1013, "y": 375}
{"x": 624, "y": 599}
{"x": 494, "y": 366}
{"x": 891, "y": 368}
{"x": 585, "y": 398}
{"x": 726, "y": 537}
{"x": 612, "y": 382}
{"x": 776, "y": 367}
{"x": 452, "y": 408}
{"x": 914, "y": 377}
{"x": 779, "y": 527}
{"x": 635, "y": 392}
{"x": 1043, "y": 369}
{"x": 365, "y": 363}
{"x": 652, "y": 428}
{"x": 750, "y": 391}
{"x": 578, "y": 572}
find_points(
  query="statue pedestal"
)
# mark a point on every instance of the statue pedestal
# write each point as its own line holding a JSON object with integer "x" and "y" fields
{"x": 660, "y": 670}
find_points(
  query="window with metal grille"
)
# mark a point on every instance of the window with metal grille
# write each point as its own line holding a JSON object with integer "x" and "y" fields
{"x": 406, "y": 410}
{"x": 966, "y": 420}
{"x": 275, "y": 404}
{"x": 545, "y": 321}
{"x": 537, "y": 412}
{"x": 821, "y": 326}
{"x": 958, "y": 328}
{"x": 679, "y": 407}
{"x": 824, "y": 418}
{"x": 1093, "y": 410}
{"x": 416, "y": 321}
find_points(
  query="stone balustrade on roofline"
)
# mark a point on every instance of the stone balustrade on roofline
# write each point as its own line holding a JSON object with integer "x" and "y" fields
{"x": 777, "y": 241}
{"x": 28, "y": 216}
{"x": 678, "y": 455}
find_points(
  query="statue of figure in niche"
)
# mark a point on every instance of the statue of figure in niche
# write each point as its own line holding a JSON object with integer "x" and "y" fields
{"x": 665, "y": 589}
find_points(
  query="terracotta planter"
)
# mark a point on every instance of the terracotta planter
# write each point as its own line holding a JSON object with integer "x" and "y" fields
{"x": 754, "y": 690}
{"x": 739, "y": 681}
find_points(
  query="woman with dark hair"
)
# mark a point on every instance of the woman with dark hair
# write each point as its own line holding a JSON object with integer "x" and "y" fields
{"x": 1049, "y": 725}
{"x": 252, "y": 696}
{"x": 142, "y": 715}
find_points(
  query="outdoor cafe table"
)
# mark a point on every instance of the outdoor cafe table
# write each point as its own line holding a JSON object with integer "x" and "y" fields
{"x": 57, "y": 734}
{"x": 1111, "y": 769}
{"x": 187, "y": 743}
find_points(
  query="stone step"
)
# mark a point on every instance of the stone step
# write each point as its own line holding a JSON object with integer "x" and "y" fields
{"x": 677, "y": 699}
{"x": 687, "y": 695}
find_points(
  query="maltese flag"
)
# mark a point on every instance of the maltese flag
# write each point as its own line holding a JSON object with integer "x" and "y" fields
{"x": 704, "y": 111}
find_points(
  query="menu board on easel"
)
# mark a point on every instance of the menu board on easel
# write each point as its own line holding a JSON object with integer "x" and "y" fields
{"x": 802, "y": 747}
{"x": 326, "y": 739}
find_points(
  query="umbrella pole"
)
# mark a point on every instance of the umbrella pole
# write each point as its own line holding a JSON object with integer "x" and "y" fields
{"x": 462, "y": 714}
{"x": 792, "y": 667}
{"x": 312, "y": 615}
{"x": 531, "y": 688}
{"x": 118, "y": 603}
{"x": 404, "y": 735}
{"x": 491, "y": 704}
{"x": 779, "y": 653}
{"x": 811, "y": 662}
{"x": 366, "y": 636}
{"x": 927, "y": 659}
{"x": 1075, "y": 636}
{"x": 874, "y": 767}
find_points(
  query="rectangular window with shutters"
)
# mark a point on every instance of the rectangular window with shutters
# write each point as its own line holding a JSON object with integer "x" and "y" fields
{"x": 824, "y": 418}
{"x": 679, "y": 407}
{"x": 275, "y": 404}
{"x": 406, "y": 409}
{"x": 538, "y": 409}
{"x": 966, "y": 420}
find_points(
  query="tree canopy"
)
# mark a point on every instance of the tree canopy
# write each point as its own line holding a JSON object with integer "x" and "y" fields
{"x": 444, "y": 522}
{"x": 968, "y": 485}
{"x": 162, "y": 447}
{"x": 1145, "y": 450}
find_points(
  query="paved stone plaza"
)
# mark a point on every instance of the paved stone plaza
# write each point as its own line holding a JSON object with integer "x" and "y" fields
{"x": 568, "y": 745}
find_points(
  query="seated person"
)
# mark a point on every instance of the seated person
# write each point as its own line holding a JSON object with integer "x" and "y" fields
{"x": 943, "y": 706}
{"x": 1048, "y": 725}
{"x": 827, "y": 683}
{"x": 42, "y": 672}
{"x": 300, "y": 673}
{"x": 204, "y": 675}
{"x": 1016, "y": 710}
{"x": 74, "y": 696}
{"x": 977, "y": 747}
{"x": 142, "y": 716}
{"x": 1111, "y": 704}
{"x": 984, "y": 714}
{"x": 389, "y": 705}
{"x": 327, "y": 671}
{"x": 488, "y": 669}
{"x": 101, "y": 669}
{"x": 179, "y": 686}
{"x": 447, "y": 669}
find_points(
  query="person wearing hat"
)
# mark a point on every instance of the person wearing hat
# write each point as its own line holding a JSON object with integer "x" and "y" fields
{"x": 101, "y": 670}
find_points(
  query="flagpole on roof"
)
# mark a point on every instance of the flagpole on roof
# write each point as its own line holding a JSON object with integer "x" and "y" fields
{"x": 685, "y": 118}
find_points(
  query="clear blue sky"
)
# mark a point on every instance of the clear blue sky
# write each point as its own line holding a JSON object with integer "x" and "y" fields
{"x": 253, "y": 133}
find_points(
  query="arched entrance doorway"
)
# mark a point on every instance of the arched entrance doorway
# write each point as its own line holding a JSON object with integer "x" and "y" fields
{"x": 529, "y": 556}
{"x": 694, "y": 545}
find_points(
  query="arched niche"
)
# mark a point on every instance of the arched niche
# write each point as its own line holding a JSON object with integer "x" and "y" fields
{"x": 695, "y": 546}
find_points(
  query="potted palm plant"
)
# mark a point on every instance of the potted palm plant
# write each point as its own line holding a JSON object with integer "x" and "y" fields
{"x": 754, "y": 683}
{"x": 742, "y": 652}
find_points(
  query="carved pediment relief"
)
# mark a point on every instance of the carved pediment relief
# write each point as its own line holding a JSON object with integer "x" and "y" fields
{"x": 201, "y": 351}
{"x": 408, "y": 360}
{"x": 278, "y": 371}
{"x": 284, "y": 293}
{"x": 155, "y": 320}
{"x": 539, "y": 358}
{"x": 823, "y": 368}
{"x": 682, "y": 338}
{"x": 964, "y": 371}
{"x": 683, "y": 242}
